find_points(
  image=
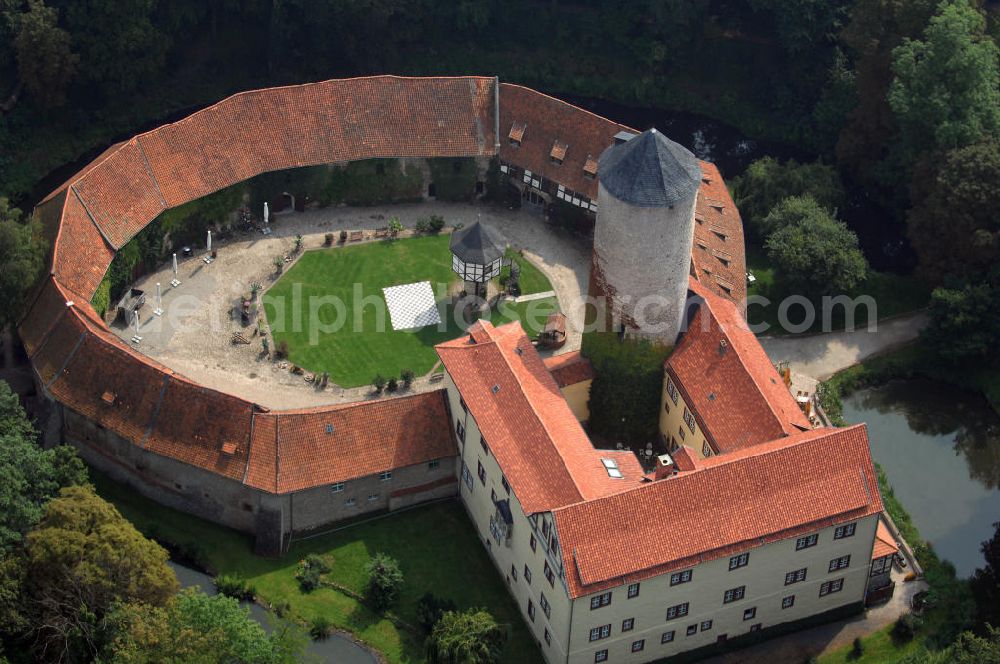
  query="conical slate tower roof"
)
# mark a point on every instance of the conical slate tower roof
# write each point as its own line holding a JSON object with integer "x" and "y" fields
{"x": 649, "y": 171}
{"x": 477, "y": 243}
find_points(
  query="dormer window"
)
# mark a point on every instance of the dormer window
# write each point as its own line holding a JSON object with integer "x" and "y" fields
{"x": 716, "y": 206}
{"x": 516, "y": 134}
{"x": 590, "y": 168}
{"x": 706, "y": 181}
{"x": 558, "y": 153}
{"x": 229, "y": 448}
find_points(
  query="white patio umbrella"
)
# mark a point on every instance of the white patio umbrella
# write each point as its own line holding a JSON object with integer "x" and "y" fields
{"x": 209, "y": 242}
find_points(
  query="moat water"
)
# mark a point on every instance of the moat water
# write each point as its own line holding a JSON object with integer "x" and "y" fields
{"x": 335, "y": 649}
{"x": 940, "y": 448}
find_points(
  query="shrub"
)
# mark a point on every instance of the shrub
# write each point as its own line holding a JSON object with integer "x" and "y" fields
{"x": 378, "y": 382}
{"x": 906, "y": 627}
{"x": 857, "y": 648}
{"x": 430, "y": 609}
{"x": 407, "y": 375}
{"x": 235, "y": 586}
{"x": 328, "y": 240}
{"x": 282, "y": 609}
{"x": 392, "y": 385}
{"x": 309, "y": 572}
{"x": 319, "y": 627}
{"x": 298, "y": 243}
{"x": 395, "y": 226}
{"x": 436, "y": 223}
{"x": 281, "y": 350}
{"x": 384, "y": 581}
{"x": 343, "y": 236}
{"x": 422, "y": 226}
{"x": 469, "y": 636}
{"x": 278, "y": 263}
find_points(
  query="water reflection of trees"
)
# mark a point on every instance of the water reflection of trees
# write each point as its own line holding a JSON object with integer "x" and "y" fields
{"x": 935, "y": 409}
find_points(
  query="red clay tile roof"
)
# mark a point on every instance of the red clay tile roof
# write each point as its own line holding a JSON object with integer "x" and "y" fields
{"x": 550, "y": 121}
{"x": 885, "y": 543}
{"x": 569, "y": 368}
{"x": 300, "y": 449}
{"x": 529, "y": 427}
{"x": 729, "y": 503}
{"x": 81, "y": 256}
{"x": 728, "y": 381}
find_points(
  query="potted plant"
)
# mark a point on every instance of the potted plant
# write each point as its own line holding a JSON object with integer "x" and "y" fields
{"x": 279, "y": 264}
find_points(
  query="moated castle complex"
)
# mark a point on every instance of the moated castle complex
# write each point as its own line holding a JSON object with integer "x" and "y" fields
{"x": 756, "y": 518}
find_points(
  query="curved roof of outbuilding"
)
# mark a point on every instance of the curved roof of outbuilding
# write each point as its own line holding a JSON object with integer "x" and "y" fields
{"x": 649, "y": 170}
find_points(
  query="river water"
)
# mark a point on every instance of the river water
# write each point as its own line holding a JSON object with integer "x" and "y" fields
{"x": 335, "y": 649}
{"x": 940, "y": 448}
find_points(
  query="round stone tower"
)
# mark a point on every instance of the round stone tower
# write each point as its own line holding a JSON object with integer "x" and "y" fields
{"x": 642, "y": 240}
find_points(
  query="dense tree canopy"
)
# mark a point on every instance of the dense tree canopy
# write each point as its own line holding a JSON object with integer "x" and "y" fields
{"x": 814, "y": 252}
{"x": 985, "y": 581}
{"x": 82, "y": 559}
{"x": 946, "y": 93}
{"x": 953, "y": 225}
{"x": 964, "y": 322}
{"x": 22, "y": 254}
{"x": 193, "y": 628}
{"x": 29, "y": 475}
{"x": 467, "y": 637}
{"x": 767, "y": 182}
{"x": 45, "y": 61}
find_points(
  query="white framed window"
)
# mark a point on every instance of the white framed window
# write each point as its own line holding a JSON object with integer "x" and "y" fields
{"x": 706, "y": 451}
{"x": 678, "y": 578}
{"x": 434, "y": 463}
{"x": 467, "y": 476}
{"x": 527, "y": 574}
{"x": 706, "y": 625}
{"x": 830, "y": 587}
{"x": 692, "y": 629}
{"x": 544, "y": 603}
{"x": 637, "y": 646}
{"x": 742, "y": 560}
{"x": 846, "y": 530}
{"x": 351, "y": 502}
{"x": 806, "y": 542}
{"x": 796, "y": 576}
{"x": 601, "y": 632}
{"x": 372, "y": 497}
{"x": 385, "y": 476}
{"x": 611, "y": 466}
{"x": 843, "y": 562}
{"x": 548, "y": 637}
{"x": 750, "y": 614}
{"x": 667, "y": 637}
{"x": 337, "y": 487}
{"x": 633, "y": 590}
{"x": 734, "y": 594}
{"x": 597, "y": 601}
{"x": 677, "y": 611}
{"x": 549, "y": 575}
{"x": 601, "y": 656}
{"x": 788, "y": 602}
{"x": 628, "y": 624}
{"x": 689, "y": 420}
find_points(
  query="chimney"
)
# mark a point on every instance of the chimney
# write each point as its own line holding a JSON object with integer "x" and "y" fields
{"x": 722, "y": 347}
{"x": 664, "y": 467}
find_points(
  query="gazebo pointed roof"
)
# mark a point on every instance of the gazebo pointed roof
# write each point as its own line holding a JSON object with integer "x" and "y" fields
{"x": 477, "y": 243}
{"x": 649, "y": 170}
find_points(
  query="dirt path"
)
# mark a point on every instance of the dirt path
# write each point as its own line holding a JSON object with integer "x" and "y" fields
{"x": 822, "y": 355}
{"x": 193, "y": 335}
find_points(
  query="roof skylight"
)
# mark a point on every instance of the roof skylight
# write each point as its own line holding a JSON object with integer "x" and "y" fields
{"x": 611, "y": 466}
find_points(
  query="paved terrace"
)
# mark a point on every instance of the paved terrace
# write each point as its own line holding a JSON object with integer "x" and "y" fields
{"x": 193, "y": 337}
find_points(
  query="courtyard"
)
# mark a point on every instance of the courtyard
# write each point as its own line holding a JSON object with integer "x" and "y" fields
{"x": 194, "y": 335}
{"x": 329, "y": 308}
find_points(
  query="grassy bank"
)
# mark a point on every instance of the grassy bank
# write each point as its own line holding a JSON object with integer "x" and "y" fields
{"x": 437, "y": 548}
{"x": 893, "y": 295}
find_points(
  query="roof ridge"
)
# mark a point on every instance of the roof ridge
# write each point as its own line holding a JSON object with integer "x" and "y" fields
{"x": 761, "y": 389}
{"x": 531, "y": 405}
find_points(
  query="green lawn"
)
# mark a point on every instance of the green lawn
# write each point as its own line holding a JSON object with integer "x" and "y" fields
{"x": 532, "y": 279}
{"x": 353, "y": 354}
{"x": 878, "y": 648}
{"x": 437, "y": 548}
{"x": 893, "y": 294}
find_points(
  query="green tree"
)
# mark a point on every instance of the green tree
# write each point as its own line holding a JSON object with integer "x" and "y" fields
{"x": 29, "y": 475}
{"x": 814, "y": 252}
{"x": 985, "y": 581}
{"x": 946, "y": 92}
{"x": 384, "y": 581}
{"x": 194, "y": 628}
{"x": 118, "y": 42}
{"x": 767, "y": 182}
{"x": 22, "y": 255}
{"x": 82, "y": 559}
{"x": 953, "y": 225}
{"x": 964, "y": 323}
{"x": 466, "y": 637}
{"x": 45, "y": 60}
{"x": 972, "y": 649}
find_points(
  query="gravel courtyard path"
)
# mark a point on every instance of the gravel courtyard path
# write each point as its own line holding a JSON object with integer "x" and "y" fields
{"x": 193, "y": 337}
{"x": 820, "y": 356}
